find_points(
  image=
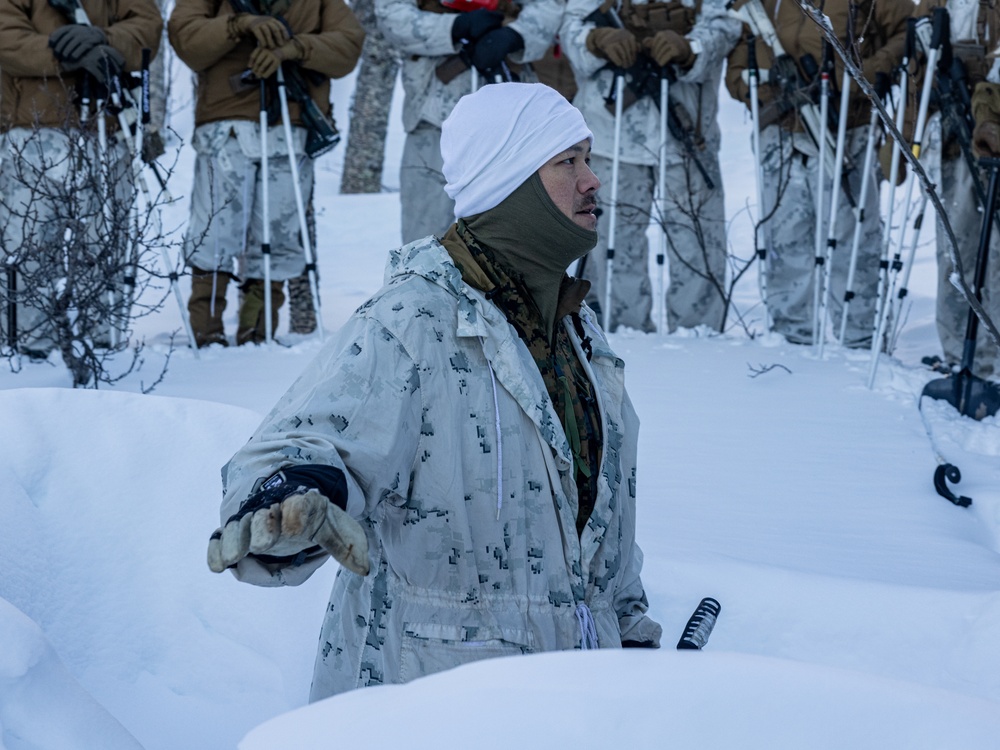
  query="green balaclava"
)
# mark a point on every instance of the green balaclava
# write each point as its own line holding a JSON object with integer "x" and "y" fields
{"x": 529, "y": 234}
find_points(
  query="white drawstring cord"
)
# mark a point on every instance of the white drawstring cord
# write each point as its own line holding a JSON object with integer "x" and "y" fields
{"x": 588, "y": 630}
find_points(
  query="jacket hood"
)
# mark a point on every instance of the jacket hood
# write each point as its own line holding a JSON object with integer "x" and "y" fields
{"x": 428, "y": 258}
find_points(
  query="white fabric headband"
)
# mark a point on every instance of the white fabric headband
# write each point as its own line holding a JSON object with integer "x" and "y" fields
{"x": 497, "y": 137}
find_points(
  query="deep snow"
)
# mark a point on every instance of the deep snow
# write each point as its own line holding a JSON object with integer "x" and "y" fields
{"x": 860, "y": 609}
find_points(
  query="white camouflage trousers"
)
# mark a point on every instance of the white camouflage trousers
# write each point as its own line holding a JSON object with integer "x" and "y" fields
{"x": 962, "y": 206}
{"x": 790, "y": 170}
{"x": 425, "y": 207}
{"x": 227, "y": 217}
{"x": 50, "y": 188}
{"x": 694, "y": 219}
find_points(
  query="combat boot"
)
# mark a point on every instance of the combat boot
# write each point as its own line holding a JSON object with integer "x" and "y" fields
{"x": 251, "y": 329}
{"x": 206, "y": 318}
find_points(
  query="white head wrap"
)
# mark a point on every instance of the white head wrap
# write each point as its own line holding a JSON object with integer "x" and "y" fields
{"x": 497, "y": 137}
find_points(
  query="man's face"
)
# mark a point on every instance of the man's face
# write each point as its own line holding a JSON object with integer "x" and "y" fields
{"x": 571, "y": 185}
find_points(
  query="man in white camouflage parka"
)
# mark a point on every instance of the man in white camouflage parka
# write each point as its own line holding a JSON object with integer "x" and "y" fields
{"x": 466, "y": 448}
{"x": 690, "y": 40}
{"x": 440, "y": 46}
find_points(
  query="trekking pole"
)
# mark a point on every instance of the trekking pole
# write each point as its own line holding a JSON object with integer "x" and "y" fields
{"x": 881, "y": 88}
{"x": 265, "y": 244}
{"x": 286, "y": 121}
{"x": 129, "y": 278}
{"x": 102, "y": 188}
{"x": 172, "y": 275}
{"x": 661, "y": 186}
{"x": 831, "y": 232}
{"x": 881, "y": 288}
{"x": 939, "y": 30}
{"x": 613, "y": 203}
{"x": 821, "y": 145}
{"x": 753, "y": 77}
{"x": 903, "y": 275}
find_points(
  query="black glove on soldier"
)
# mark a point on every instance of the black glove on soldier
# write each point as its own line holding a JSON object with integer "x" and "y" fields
{"x": 70, "y": 43}
{"x": 102, "y": 61}
{"x": 472, "y": 26}
{"x": 492, "y": 49}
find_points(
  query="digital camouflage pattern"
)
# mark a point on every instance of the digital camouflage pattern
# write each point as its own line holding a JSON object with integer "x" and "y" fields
{"x": 562, "y": 372}
{"x": 50, "y": 179}
{"x": 694, "y": 214}
{"x": 407, "y": 402}
{"x": 226, "y": 202}
{"x": 790, "y": 166}
{"x": 694, "y": 220}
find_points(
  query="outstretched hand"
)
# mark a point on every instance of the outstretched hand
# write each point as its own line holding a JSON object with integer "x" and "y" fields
{"x": 272, "y": 524}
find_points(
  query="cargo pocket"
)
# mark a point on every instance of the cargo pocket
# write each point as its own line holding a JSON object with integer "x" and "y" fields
{"x": 429, "y": 648}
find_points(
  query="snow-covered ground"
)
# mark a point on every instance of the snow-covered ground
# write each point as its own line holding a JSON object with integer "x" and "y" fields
{"x": 859, "y": 608}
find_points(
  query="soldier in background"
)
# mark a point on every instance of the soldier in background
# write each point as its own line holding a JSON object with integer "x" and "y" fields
{"x": 440, "y": 44}
{"x": 790, "y": 165}
{"x": 689, "y": 39}
{"x": 45, "y": 60}
{"x": 220, "y": 45}
{"x": 974, "y": 28}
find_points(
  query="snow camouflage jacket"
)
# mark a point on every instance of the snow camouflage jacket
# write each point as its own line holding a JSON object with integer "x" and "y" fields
{"x": 695, "y": 93}
{"x": 423, "y": 39}
{"x": 408, "y": 403}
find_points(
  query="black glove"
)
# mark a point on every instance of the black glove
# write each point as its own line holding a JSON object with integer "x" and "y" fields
{"x": 492, "y": 49}
{"x": 475, "y": 24}
{"x": 101, "y": 61}
{"x": 72, "y": 42}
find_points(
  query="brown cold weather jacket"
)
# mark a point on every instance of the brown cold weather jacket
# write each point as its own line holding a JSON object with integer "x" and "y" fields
{"x": 879, "y": 24}
{"x": 33, "y": 90}
{"x": 199, "y": 33}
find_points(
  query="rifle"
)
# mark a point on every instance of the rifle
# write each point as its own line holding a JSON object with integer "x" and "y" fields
{"x": 321, "y": 132}
{"x": 643, "y": 79}
{"x": 955, "y": 104}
